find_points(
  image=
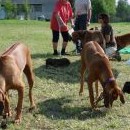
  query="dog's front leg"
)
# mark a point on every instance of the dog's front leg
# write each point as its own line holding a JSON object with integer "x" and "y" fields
{"x": 19, "y": 104}
{"x": 7, "y": 107}
{"x": 82, "y": 72}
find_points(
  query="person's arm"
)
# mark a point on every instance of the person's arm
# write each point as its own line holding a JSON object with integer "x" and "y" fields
{"x": 72, "y": 22}
{"x": 60, "y": 21}
{"x": 89, "y": 12}
{"x": 107, "y": 38}
{"x": 89, "y": 15}
{"x": 71, "y": 15}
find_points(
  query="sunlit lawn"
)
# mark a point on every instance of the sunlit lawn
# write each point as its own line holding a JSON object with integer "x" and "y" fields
{"x": 59, "y": 106}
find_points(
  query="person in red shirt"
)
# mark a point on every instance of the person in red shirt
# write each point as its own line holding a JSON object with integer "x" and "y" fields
{"x": 61, "y": 15}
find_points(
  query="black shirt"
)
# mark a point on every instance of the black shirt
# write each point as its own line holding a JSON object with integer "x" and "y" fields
{"x": 107, "y": 30}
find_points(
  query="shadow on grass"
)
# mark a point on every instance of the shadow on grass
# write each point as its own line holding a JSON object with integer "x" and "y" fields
{"x": 57, "y": 109}
{"x": 41, "y": 55}
{"x": 115, "y": 72}
{"x": 70, "y": 74}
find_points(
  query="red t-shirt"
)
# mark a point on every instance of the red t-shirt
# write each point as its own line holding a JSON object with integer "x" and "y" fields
{"x": 65, "y": 11}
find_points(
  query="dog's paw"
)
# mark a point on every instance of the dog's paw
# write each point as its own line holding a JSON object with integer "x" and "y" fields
{"x": 80, "y": 93}
{"x": 8, "y": 113}
{"x": 32, "y": 108}
{"x": 4, "y": 124}
{"x": 17, "y": 121}
{"x": 95, "y": 109}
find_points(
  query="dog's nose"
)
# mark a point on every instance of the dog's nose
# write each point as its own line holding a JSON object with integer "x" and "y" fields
{"x": 1, "y": 108}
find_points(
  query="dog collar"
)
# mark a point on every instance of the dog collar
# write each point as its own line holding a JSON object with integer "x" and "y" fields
{"x": 109, "y": 80}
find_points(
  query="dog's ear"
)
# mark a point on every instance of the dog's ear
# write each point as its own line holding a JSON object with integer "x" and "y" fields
{"x": 113, "y": 95}
{"x": 75, "y": 36}
{"x": 122, "y": 99}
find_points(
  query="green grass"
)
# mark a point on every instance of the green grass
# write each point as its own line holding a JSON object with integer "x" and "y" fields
{"x": 59, "y": 106}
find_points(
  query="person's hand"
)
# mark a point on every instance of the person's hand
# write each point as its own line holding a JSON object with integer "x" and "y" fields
{"x": 72, "y": 26}
{"x": 88, "y": 23}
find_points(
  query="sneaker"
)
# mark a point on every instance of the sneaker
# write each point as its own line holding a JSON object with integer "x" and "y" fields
{"x": 64, "y": 53}
{"x": 55, "y": 53}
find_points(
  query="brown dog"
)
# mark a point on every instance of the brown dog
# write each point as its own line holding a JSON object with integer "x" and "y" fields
{"x": 13, "y": 62}
{"x": 89, "y": 35}
{"x": 94, "y": 59}
{"x": 122, "y": 41}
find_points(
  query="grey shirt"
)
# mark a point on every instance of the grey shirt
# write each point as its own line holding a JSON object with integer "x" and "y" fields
{"x": 82, "y": 6}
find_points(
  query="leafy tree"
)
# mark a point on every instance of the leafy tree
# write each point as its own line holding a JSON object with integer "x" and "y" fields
{"x": 123, "y": 9}
{"x": 102, "y": 6}
{"x": 9, "y": 8}
{"x": 26, "y": 9}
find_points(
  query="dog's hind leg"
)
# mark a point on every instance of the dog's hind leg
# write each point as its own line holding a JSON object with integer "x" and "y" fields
{"x": 82, "y": 73}
{"x": 20, "y": 88}
{"x": 96, "y": 89}
{"x": 91, "y": 93}
{"x": 30, "y": 77}
{"x": 7, "y": 107}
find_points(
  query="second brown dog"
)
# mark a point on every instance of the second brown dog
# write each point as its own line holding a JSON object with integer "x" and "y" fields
{"x": 89, "y": 35}
{"x": 96, "y": 62}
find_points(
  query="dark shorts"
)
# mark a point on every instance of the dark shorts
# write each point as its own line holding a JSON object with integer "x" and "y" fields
{"x": 55, "y": 34}
{"x": 80, "y": 22}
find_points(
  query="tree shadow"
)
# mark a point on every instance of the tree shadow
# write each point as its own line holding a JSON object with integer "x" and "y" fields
{"x": 48, "y": 55}
{"x": 115, "y": 72}
{"x": 57, "y": 109}
{"x": 41, "y": 55}
{"x": 69, "y": 74}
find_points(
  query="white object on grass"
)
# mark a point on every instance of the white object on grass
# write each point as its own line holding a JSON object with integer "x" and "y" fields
{"x": 110, "y": 51}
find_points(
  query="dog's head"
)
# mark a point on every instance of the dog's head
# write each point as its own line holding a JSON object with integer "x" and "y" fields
{"x": 78, "y": 35}
{"x": 88, "y": 35}
{"x": 111, "y": 94}
{"x": 2, "y": 100}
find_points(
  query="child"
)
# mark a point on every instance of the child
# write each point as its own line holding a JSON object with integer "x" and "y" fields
{"x": 107, "y": 31}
